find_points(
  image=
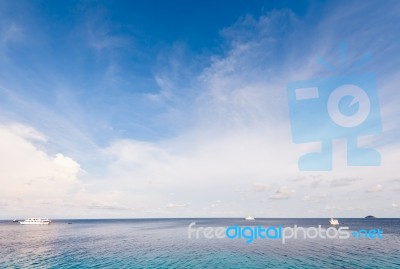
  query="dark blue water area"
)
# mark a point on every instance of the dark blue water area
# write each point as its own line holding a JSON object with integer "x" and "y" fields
{"x": 165, "y": 243}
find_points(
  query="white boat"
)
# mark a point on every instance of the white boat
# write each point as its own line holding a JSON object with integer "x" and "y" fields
{"x": 333, "y": 221}
{"x": 36, "y": 221}
{"x": 249, "y": 218}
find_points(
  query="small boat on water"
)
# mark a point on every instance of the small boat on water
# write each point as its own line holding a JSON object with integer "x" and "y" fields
{"x": 249, "y": 218}
{"x": 36, "y": 221}
{"x": 333, "y": 221}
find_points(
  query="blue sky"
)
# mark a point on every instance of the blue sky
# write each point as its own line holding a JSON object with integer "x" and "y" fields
{"x": 123, "y": 109}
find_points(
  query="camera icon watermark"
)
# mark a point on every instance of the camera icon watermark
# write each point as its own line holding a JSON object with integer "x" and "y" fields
{"x": 336, "y": 107}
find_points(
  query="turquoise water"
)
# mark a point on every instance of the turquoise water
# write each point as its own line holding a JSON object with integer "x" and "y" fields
{"x": 164, "y": 243}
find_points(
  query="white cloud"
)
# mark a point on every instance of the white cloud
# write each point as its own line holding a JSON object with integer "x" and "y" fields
{"x": 29, "y": 176}
{"x": 175, "y": 205}
{"x": 376, "y": 188}
{"x": 260, "y": 187}
{"x": 37, "y": 183}
{"x": 282, "y": 193}
{"x": 345, "y": 181}
{"x": 108, "y": 206}
{"x": 216, "y": 204}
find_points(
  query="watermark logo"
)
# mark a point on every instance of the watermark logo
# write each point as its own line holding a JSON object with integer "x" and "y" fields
{"x": 251, "y": 233}
{"x": 336, "y": 107}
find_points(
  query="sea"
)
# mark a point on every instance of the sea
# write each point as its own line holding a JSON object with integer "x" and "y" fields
{"x": 165, "y": 243}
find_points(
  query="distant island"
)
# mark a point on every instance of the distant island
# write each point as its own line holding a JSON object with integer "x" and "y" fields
{"x": 370, "y": 217}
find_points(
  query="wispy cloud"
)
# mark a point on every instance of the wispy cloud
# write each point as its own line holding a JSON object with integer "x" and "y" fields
{"x": 10, "y": 32}
{"x": 346, "y": 181}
